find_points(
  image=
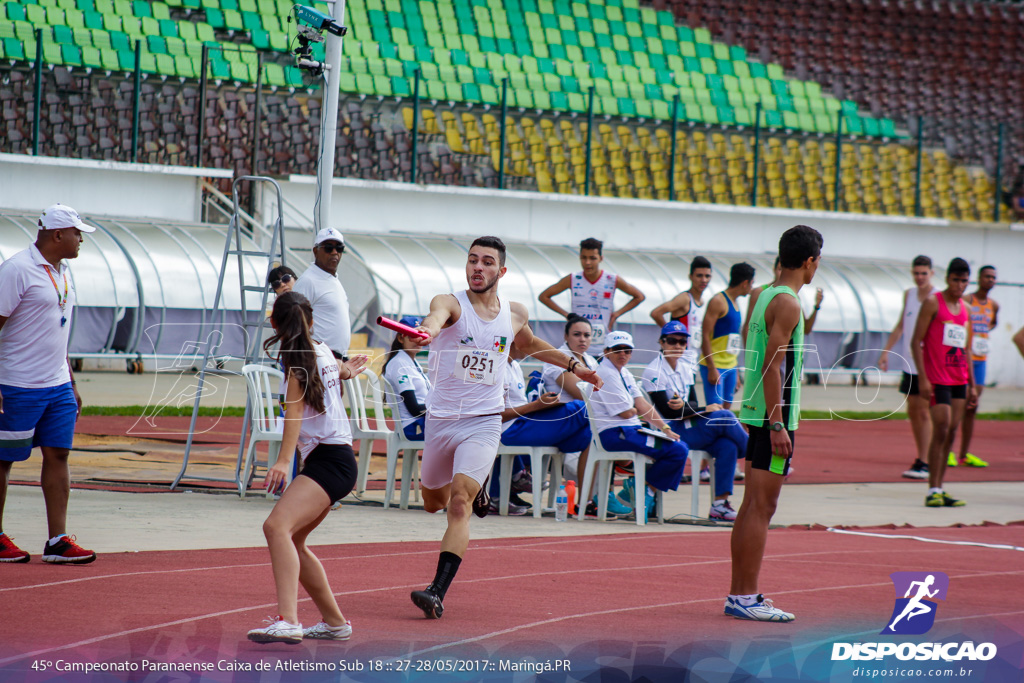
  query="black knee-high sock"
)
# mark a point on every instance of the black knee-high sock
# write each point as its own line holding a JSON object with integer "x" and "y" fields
{"x": 447, "y": 565}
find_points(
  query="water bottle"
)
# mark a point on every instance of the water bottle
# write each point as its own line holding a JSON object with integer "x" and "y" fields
{"x": 561, "y": 504}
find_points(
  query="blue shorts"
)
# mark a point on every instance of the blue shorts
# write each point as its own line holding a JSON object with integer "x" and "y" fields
{"x": 34, "y": 418}
{"x": 979, "y": 372}
{"x": 414, "y": 430}
{"x": 724, "y": 390}
{"x": 565, "y": 426}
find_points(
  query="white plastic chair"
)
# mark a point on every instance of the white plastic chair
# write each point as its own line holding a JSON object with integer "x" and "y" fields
{"x": 398, "y": 443}
{"x": 540, "y": 458}
{"x": 263, "y": 384}
{"x": 603, "y": 460}
{"x": 362, "y": 429}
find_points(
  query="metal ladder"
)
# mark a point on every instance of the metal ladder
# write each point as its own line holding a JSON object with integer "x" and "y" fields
{"x": 252, "y": 351}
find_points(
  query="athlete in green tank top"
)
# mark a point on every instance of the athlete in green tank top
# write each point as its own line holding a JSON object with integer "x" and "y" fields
{"x": 771, "y": 410}
{"x": 754, "y": 410}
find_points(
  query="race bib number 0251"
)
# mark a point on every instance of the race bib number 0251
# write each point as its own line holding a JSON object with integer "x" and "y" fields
{"x": 476, "y": 366}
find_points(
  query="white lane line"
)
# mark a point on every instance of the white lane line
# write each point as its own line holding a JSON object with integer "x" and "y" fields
{"x": 924, "y": 539}
{"x": 555, "y": 620}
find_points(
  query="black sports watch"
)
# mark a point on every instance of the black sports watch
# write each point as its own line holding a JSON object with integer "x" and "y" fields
{"x": 777, "y": 426}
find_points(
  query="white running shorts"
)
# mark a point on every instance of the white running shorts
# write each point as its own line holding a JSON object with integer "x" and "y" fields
{"x": 461, "y": 445}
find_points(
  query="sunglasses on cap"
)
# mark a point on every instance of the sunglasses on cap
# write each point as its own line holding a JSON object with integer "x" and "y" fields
{"x": 331, "y": 248}
{"x": 675, "y": 341}
{"x": 285, "y": 279}
{"x": 620, "y": 349}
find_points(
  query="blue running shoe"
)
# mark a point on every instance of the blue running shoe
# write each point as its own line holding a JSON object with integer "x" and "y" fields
{"x": 615, "y": 507}
{"x": 762, "y": 610}
{"x": 626, "y": 494}
{"x": 730, "y": 606}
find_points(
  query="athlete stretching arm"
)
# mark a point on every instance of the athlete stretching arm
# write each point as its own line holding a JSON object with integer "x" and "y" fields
{"x": 717, "y": 308}
{"x": 552, "y": 291}
{"x": 533, "y": 346}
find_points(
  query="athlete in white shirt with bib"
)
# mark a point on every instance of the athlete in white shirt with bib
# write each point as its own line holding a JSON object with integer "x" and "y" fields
{"x": 469, "y": 333}
{"x": 315, "y": 424}
{"x": 689, "y": 308}
{"x": 592, "y": 293}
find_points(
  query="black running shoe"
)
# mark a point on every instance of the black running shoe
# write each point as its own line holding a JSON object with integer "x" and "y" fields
{"x": 429, "y": 602}
{"x": 481, "y": 505}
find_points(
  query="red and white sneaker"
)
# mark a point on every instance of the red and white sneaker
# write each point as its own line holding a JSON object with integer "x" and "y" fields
{"x": 66, "y": 551}
{"x": 10, "y": 552}
{"x": 722, "y": 511}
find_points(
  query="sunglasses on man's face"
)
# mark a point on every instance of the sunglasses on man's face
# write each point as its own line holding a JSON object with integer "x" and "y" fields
{"x": 675, "y": 341}
{"x": 621, "y": 349}
{"x": 331, "y": 248}
{"x": 285, "y": 279}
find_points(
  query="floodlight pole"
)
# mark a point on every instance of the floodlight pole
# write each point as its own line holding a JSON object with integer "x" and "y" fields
{"x": 329, "y": 130}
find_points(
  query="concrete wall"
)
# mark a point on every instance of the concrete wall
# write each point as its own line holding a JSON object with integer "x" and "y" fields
{"x": 103, "y": 187}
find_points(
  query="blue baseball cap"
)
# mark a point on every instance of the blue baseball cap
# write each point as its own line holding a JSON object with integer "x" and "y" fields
{"x": 674, "y": 327}
{"x": 411, "y": 320}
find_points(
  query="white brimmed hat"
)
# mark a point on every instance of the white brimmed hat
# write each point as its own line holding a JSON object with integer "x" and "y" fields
{"x": 59, "y": 216}
{"x": 615, "y": 339}
{"x": 328, "y": 234}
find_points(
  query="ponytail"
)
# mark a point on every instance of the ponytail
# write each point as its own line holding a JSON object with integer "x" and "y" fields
{"x": 292, "y": 315}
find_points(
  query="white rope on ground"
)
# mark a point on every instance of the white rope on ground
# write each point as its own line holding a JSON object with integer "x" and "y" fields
{"x": 923, "y": 539}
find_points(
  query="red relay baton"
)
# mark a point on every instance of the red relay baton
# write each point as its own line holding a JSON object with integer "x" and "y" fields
{"x": 400, "y": 328}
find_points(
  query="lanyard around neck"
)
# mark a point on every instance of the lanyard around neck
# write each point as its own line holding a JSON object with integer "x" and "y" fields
{"x": 62, "y": 302}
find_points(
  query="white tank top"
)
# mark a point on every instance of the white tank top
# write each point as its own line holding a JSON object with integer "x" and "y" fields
{"x": 330, "y": 426}
{"x": 467, "y": 363}
{"x": 595, "y": 302}
{"x": 694, "y": 323}
{"x": 910, "y": 313}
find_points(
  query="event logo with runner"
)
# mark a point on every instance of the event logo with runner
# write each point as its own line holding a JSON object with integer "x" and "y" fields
{"x": 916, "y": 595}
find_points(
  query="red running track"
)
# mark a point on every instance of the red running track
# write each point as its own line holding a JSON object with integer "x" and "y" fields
{"x": 531, "y": 596}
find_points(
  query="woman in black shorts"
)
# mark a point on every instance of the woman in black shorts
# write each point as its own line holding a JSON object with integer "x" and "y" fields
{"x": 316, "y": 425}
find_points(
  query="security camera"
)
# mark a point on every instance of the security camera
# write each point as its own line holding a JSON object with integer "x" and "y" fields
{"x": 318, "y": 20}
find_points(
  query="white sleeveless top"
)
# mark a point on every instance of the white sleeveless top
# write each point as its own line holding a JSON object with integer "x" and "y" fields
{"x": 330, "y": 426}
{"x": 467, "y": 363}
{"x": 694, "y": 323}
{"x": 595, "y": 302}
{"x": 910, "y": 313}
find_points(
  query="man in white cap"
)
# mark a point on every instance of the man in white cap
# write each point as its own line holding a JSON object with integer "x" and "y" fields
{"x": 39, "y": 402}
{"x": 321, "y": 286}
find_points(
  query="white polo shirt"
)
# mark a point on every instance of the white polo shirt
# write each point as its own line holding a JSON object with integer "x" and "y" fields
{"x": 404, "y": 374}
{"x": 617, "y": 395}
{"x": 659, "y": 376}
{"x": 331, "y": 324}
{"x": 33, "y": 344}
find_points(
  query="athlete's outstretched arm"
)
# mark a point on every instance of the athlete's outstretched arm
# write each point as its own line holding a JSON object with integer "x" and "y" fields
{"x": 444, "y": 311}
{"x": 632, "y": 291}
{"x": 675, "y": 303}
{"x": 555, "y": 290}
{"x": 809, "y": 320}
{"x": 535, "y": 347}
{"x": 1018, "y": 340}
{"x": 783, "y": 315}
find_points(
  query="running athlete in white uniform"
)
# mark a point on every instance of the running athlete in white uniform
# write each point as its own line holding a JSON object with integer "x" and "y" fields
{"x": 469, "y": 334}
{"x": 593, "y": 293}
{"x": 917, "y": 407}
{"x": 688, "y": 308}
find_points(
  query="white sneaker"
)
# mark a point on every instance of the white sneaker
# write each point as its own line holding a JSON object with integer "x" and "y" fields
{"x": 722, "y": 511}
{"x": 762, "y": 610}
{"x": 705, "y": 474}
{"x": 324, "y": 632}
{"x": 277, "y": 631}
